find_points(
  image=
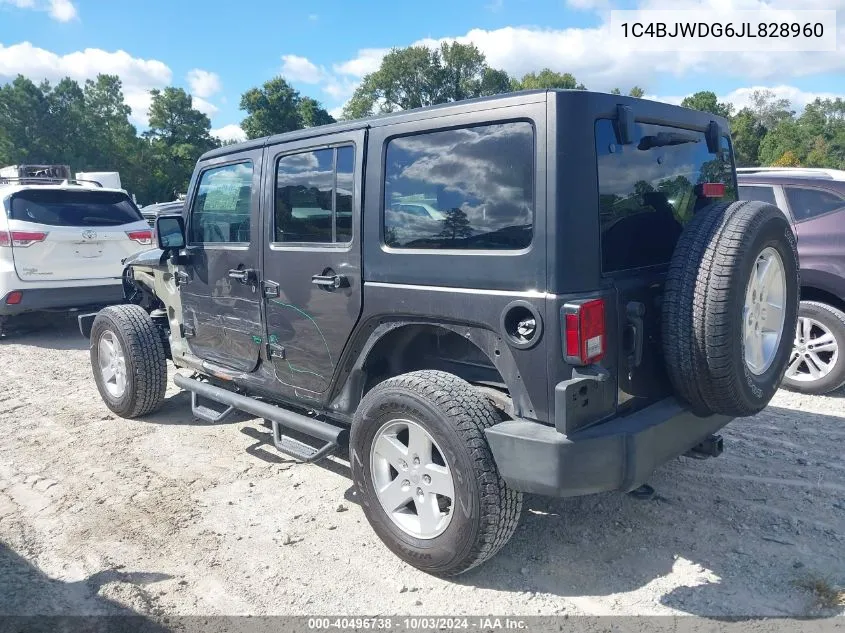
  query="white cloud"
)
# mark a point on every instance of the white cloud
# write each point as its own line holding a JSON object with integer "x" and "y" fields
{"x": 139, "y": 76}
{"x": 204, "y": 106}
{"x": 741, "y": 97}
{"x": 313, "y": 17}
{"x": 61, "y": 10}
{"x": 367, "y": 61}
{"x": 203, "y": 84}
{"x": 231, "y": 132}
{"x": 302, "y": 69}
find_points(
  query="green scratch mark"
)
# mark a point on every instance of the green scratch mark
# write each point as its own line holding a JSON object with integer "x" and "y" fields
{"x": 274, "y": 338}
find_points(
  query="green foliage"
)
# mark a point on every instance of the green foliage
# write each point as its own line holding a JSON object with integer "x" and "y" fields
{"x": 637, "y": 92}
{"x": 707, "y": 102}
{"x": 548, "y": 79}
{"x": 419, "y": 76}
{"x": 276, "y": 107}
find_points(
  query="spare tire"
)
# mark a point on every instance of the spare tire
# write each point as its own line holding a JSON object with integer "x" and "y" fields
{"x": 730, "y": 307}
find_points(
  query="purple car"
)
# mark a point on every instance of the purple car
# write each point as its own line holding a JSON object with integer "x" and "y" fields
{"x": 814, "y": 199}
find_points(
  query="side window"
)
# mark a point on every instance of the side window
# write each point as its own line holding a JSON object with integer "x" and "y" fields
{"x": 467, "y": 188}
{"x": 809, "y": 203}
{"x": 758, "y": 192}
{"x": 221, "y": 209}
{"x": 314, "y": 196}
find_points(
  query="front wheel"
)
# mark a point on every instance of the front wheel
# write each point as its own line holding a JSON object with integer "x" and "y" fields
{"x": 428, "y": 483}
{"x": 128, "y": 360}
{"x": 816, "y": 365}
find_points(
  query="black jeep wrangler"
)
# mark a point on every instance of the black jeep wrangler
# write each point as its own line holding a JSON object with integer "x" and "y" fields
{"x": 550, "y": 292}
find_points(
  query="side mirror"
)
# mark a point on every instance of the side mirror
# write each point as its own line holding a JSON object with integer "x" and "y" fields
{"x": 170, "y": 232}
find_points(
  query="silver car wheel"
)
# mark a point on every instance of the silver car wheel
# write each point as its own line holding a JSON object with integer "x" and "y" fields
{"x": 411, "y": 479}
{"x": 112, "y": 364}
{"x": 764, "y": 312}
{"x": 814, "y": 351}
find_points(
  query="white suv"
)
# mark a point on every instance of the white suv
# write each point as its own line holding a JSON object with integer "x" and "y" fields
{"x": 61, "y": 246}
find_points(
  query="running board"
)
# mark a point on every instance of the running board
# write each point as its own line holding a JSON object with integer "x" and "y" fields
{"x": 332, "y": 436}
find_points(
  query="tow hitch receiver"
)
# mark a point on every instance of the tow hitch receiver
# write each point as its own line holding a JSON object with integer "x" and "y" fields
{"x": 711, "y": 447}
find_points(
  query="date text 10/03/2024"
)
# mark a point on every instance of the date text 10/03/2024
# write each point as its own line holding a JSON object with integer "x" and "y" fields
{"x": 481, "y": 623}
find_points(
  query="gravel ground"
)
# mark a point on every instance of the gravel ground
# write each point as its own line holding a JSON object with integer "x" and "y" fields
{"x": 171, "y": 516}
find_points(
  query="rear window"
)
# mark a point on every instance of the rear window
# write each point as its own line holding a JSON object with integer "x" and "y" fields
{"x": 73, "y": 208}
{"x": 647, "y": 190}
{"x": 758, "y": 192}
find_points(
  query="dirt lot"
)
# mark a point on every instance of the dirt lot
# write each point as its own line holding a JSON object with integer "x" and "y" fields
{"x": 174, "y": 516}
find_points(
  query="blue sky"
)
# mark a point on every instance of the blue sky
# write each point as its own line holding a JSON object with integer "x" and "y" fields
{"x": 217, "y": 50}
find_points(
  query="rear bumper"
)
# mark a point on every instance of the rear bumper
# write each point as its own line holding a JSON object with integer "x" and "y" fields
{"x": 36, "y": 299}
{"x": 620, "y": 454}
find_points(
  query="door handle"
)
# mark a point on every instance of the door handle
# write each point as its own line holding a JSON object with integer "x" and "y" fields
{"x": 181, "y": 278}
{"x": 244, "y": 276}
{"x": 330, "y": 281}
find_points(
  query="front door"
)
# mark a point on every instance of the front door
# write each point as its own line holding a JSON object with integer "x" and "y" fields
{"x": 219, "y": 287}
{"x": 312, "y": 261}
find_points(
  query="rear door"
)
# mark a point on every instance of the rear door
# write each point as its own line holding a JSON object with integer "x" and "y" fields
{"x": 312, "y": 257}
{"x": 648, "y": 191}
{"x": 219, "y": 286}
{"x": 64, "y": 235}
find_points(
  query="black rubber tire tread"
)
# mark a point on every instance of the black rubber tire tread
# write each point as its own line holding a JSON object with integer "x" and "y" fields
{"x": 702, "y": 317}
{"x": 470, "y": 413}
{"x": 146, "y": 362}
{"x": 683, "y": 301}
{"x": 836, "y": 378}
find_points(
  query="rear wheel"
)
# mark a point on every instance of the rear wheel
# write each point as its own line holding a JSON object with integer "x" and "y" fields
{"x": 128, "y": 360}
{"x": 816, "y": 365}
{"x": 428, "y": 483}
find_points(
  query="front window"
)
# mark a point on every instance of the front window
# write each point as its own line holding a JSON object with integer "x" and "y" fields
{"x": 648, "y": 190}
{"x": 467, "y": 188}
{"x": 222, "y": 207}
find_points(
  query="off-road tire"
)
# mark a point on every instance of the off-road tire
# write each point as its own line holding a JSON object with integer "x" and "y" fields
{"x": 703, "y": 304}
{"x": 146, "y": 363}
{"x": 485, "y": 512}
{"x": 834, "y": 320}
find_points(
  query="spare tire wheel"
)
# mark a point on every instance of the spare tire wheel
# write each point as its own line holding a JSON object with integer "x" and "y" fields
{"x": 730, "y": 307}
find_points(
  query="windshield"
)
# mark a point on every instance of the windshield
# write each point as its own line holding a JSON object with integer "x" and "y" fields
{"x": 57, "y": 207}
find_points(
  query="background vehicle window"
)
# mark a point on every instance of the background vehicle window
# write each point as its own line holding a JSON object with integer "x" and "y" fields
{"x": 314, "y": 196}
{"x": 469, "y": 188}
{"x": 647, "y": 190}
{"x": 221, "y": 210}
{"x": 756, "y": 192}
{"x": 73, "y": 208}
{"x": 808, "y": 203}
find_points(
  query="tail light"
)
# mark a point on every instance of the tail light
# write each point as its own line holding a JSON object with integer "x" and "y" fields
{"x": 585, "y": 335}
{"x": 14, "y": 298}
{"x": 21, "y": 239}
{"x": 142, "y": 237}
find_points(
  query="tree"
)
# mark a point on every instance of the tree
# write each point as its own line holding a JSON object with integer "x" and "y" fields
{"x": 277, "y": 107}
{"x": 456, "y": 225}
{"x": 788, "y": 159}
{"x": 419, "y": 76}
{"x": 747, "y": 133}
{"x": 616, "y": 91}
{"x": 768, "y": 109}
{"x": 706, "y": 101}
{"x": 178, "y": 134}
{"x": 637, "y": 92}
{"x": 548, "y": 79}
{"x": 784, "y": 139}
